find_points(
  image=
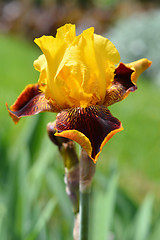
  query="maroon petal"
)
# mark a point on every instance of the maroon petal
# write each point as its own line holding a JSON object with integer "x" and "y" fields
{"x": 30, "y": 102}
{"x": 121, "y": 86}
{"x": 95, "y": 122}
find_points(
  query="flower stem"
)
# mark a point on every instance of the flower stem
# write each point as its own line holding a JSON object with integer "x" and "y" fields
{"x": 84, "y": 216}
{"x": 78, "y": 179}
{"x": 87, "y": 171}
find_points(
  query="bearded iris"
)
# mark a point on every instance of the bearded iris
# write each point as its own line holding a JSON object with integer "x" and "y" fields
{"x": 79, "y": 79}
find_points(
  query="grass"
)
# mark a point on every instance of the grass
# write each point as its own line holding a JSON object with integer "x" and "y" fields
{"x": 33, "y": 203}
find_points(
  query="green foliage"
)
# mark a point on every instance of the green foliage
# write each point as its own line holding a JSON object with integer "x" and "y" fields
{"x": 103, "y": 210}
{"x": 114, "y": 216}
{"x": 34, "y": 193}
{"x": 33, "y": 202}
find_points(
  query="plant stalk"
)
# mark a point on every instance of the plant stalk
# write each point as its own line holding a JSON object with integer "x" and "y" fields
{"x": 78, "y": 179}
{"x": 84, "y": 216}
{"x": 87, "y": 171}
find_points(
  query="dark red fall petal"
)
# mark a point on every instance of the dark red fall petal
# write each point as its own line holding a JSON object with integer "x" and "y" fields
{"x": 26, "y": 95}
{"x": 95, "y": 122}
{"x": 121, "y": 86}
{"x": 30, "y": 102}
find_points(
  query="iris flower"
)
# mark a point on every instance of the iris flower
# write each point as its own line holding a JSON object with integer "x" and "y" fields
{"x": 79, "y": 78}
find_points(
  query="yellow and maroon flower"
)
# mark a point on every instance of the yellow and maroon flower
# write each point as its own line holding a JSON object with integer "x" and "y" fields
{"x": 79, "y": 79}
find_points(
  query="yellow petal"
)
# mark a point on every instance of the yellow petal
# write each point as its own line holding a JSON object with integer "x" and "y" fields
{"x": 106, "y": 50}
{"x": 53, "y": 50}
{"x": 107, "y": 56}
{"x": 41, "y": 65}
{"x": 66, "y": 33}
{"x": 94, "y": 79}
{"x": 139, "y": 67}
{"x": 84, "y": 74}
{"x": 99, "y": 56}
{"x": 83, "y": 79}
{"x": 79, "y": 69}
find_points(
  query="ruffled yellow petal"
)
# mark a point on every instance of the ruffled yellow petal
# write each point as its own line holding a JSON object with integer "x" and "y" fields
{"x": 107, "y": 56}
{"x": 99, "y": 56}
{"x": 106, "y": 50}
{"x": 53, "y": 50}
{"x": 84, "y": 75}
{"x": 67, "y": 33}
{"x": 78, "y": 69}
{"x": 93, "y": 78}
{"x": 41, "y": 65}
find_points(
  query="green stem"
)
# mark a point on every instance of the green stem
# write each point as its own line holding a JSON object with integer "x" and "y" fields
{"x": 84, "y": 215}
{"x": 87, "y": 171}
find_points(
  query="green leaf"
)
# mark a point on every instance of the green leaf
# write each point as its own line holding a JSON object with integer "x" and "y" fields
{"x": 156, "y": 231}
{"x": 143, "y": 219}
{"x": 103, "y": 211}
{"x": 45, "y": 215}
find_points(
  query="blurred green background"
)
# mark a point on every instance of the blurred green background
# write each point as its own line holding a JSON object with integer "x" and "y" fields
{"x": 126, "y": 196}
